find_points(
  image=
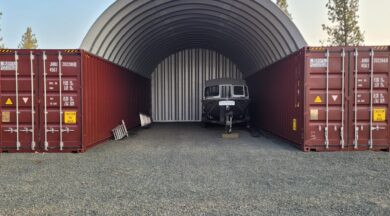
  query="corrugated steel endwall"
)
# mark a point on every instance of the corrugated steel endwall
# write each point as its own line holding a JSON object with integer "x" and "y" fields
{"x": 177, "y": 83}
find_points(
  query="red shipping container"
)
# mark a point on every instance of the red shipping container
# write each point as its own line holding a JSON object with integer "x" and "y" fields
{"x": 309, "y": 98}
{"x": 65, "y": 100}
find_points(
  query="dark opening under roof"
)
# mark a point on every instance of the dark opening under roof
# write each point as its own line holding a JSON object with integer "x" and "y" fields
{"x": 139, "y": 34}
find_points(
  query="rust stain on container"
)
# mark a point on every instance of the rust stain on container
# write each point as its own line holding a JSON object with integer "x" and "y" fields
{"x": 65, "y": 100}
{"x": 315, "y": 87}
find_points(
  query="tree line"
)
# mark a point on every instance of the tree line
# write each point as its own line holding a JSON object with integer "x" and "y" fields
{"x": 343, "y": 16}
{"x": 29, "y": 40}
{"x": 343, "y": 29}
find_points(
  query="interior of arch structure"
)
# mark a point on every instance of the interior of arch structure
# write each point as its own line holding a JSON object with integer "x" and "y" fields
{"x": 139, "y": 34}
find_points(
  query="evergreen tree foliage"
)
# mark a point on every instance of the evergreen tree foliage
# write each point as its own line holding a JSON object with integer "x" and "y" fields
{"x": 344, "y": 27}
{"x": 29, "y": 41}
{"x": 284, "y": 6}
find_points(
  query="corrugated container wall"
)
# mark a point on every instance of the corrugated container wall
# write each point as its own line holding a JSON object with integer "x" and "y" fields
{"x": 310, "y": 98}
{"x": 110, "y": 93}
{"x": 65, "y": 100}
{"x": 177, "y": 83}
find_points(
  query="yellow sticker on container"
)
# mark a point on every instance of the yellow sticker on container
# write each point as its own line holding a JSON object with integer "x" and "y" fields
{"x": 70, "y": 117}
{"x": 5, "y": 117}
{"x": 379, "y": 115}
{"x": 294, "y": 124}
{"x": 318, "y": 100}
{"x": 9, "y": 102}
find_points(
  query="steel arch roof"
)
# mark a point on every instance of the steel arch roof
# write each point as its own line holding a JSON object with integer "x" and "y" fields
{"x": 139, "y": 34}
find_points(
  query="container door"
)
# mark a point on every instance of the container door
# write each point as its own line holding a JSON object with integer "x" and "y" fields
{"x": 19, "y": 114}
{"x": 60, "y": 101}
{"x": 370, "y": 99}
{"x": 326, "y": 100}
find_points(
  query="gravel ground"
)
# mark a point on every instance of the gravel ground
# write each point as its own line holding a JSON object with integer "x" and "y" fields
{"x": 183, "y": 169}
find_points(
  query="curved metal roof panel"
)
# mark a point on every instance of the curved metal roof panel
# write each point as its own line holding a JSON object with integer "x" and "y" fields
{"x": 139, "y": 34}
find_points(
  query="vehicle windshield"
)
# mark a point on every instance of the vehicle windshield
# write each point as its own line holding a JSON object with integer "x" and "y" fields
{"x": 212, "y": 91}
{"x": 239, "y": 91}
{"x": 226, "y": 91}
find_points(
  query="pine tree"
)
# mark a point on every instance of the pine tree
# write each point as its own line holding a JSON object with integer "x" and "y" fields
{"x": 284, "y": 6}
{"x": 344, "y": 29}
{"x": 29, "y": 41}
{"x": 1, "y": 39}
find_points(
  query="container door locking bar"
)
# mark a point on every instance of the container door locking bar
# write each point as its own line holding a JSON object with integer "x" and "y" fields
{"x": 17, "y": 101}
{"x": 33, "y": 144}
{"x": 60, "y": 91}
{"x": 342, "y": 141}
{"x": 371, "y": 142}
{"x": 356, "y": 141}
{"x": 67, "y": 130}
{"x": 327, "y": 101}
{"x": 45, "y": 99}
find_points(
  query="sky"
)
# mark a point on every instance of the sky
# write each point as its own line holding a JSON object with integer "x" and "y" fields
{"x": 62, "y": 24}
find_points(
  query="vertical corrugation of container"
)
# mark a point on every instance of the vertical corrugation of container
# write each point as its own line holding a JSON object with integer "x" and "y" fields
{"x": 277, "y": 98}
{"x": 59, "y": 74}
{"x": 309, "y": 98}
{"x": 65, "y": 100}
{"x": 326, "y": 99}
{"x": 18, "y": 92}
{"x": 369, "y": 107}
{"x": 110, "y": 93}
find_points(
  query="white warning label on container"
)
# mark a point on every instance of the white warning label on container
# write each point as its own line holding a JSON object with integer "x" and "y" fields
{"x": 381, "y": 60}
{"x": 318, "y": 63}
{"x": 379, "y": 98}
{"x": 69, "y": 64}
{"x": 379, "y": 82}
{"x": 25, "y": 100}
{"x": 365, "y": 63}
{"x": 7, "y": 65}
